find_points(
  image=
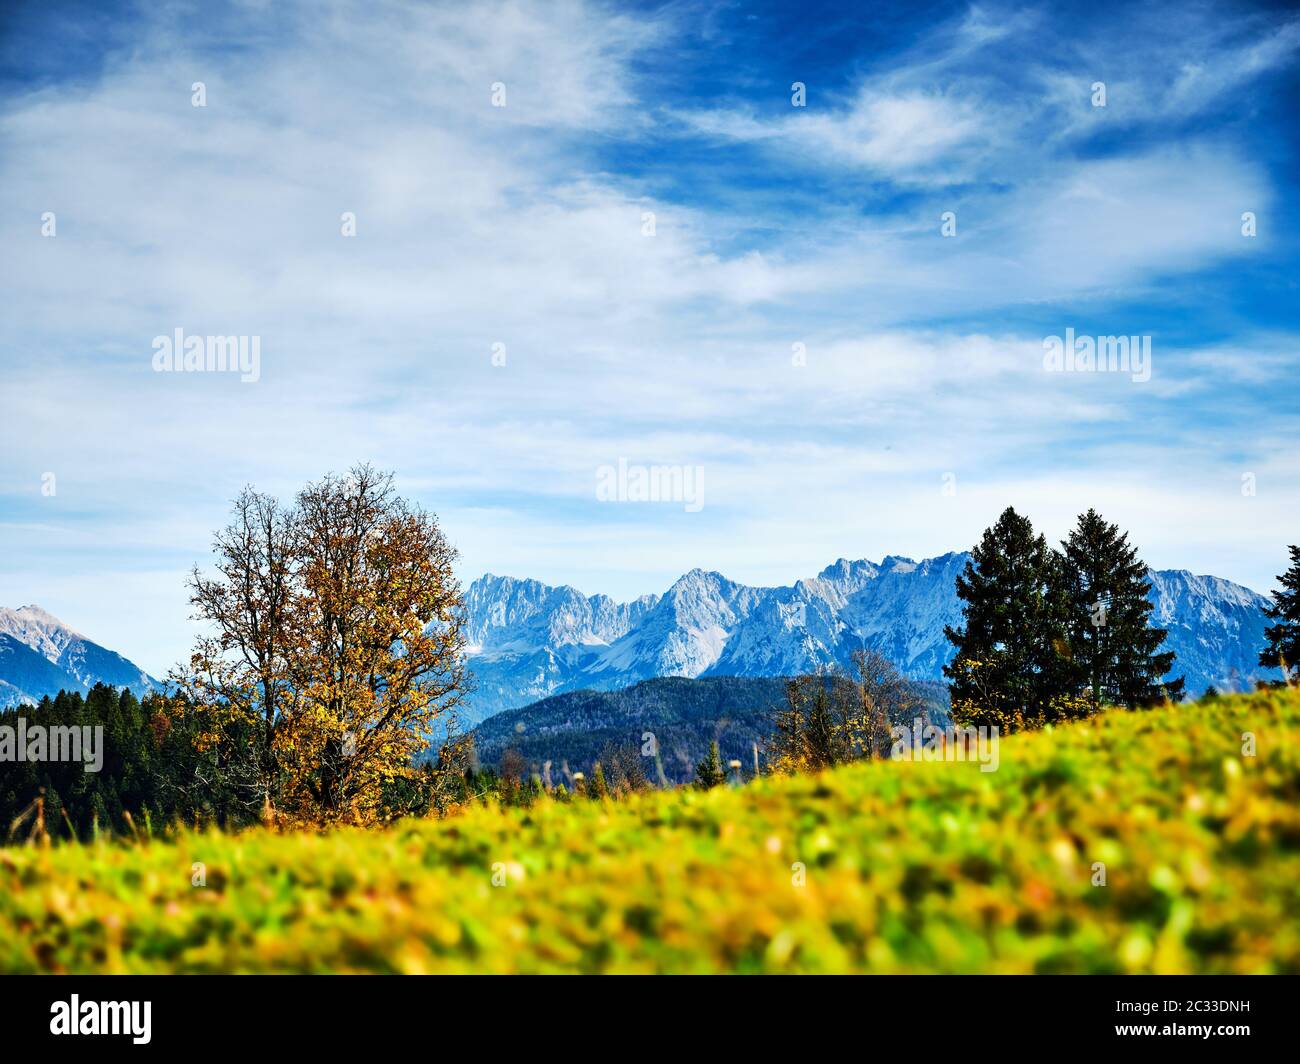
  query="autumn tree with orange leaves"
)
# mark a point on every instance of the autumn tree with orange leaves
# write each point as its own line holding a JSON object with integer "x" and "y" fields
{"x": 336, "y": 644}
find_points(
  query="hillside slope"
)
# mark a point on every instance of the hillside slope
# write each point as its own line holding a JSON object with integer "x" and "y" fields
{"x": 683, "y": 715}
{"x": 910, "y": 867}
{"x": 25, "y": 675}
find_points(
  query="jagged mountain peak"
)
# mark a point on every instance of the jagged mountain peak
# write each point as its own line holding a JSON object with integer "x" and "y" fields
{"x": 38, "y": 629}
{"x": 39, "y": 613}
{"x": 698, "y": 578}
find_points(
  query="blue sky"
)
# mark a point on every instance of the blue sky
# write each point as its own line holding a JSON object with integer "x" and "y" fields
{"x": 523, "y": 225}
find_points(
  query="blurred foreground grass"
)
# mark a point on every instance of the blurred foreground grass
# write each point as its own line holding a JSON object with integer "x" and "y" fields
{"x": 909, "y": 867}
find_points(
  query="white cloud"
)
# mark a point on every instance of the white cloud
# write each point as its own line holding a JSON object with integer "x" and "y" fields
{"x": 478, "y": 225}
{"x": 896, "y": 135}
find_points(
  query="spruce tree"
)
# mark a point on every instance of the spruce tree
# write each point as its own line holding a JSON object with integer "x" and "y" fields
{"x": 709, "y": 773}
{"x": 1009, "y": 670}
{"x": 1114, "y": 650}
{"x": 1283, "y": 648}
{"x": 823, "y": 734}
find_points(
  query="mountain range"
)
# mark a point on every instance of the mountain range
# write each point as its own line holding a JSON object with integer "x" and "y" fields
{"x": 528, "y": 640}
{"x": 40, "y": 655}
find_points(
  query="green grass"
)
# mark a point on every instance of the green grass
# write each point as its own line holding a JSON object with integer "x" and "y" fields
{"x": 910, "y": 867}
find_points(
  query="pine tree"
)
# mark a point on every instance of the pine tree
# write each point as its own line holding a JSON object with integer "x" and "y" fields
{"x": 1010, "y": 671}
{"x": 1283, "y": 648}
{"x": 709, "y": 773}
{"x": 823, "y": 737}
{"x": 1114, "y": 650}
{"x": 597, "y": 788}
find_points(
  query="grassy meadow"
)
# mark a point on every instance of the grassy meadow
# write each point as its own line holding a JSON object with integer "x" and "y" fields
{"x": 874, "y": 867}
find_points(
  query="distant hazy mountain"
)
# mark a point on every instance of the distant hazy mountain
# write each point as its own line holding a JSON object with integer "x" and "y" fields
{"x": 684, "y": 715}
{"x": 571, "y": 730}
{"x": 529, "y": 640}
{"x": 40, "y": 655}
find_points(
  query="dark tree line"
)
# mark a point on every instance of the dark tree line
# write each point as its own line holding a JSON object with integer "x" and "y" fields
{"x": 163, "y": 766}
{"x": 153, "y": 771}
